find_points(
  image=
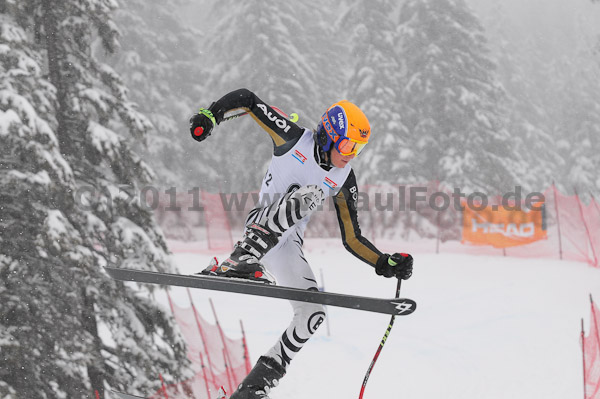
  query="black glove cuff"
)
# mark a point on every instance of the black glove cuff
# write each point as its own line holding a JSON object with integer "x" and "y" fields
{"x": 382, "y": 267}
{"x": 218, "y": 111}
{"x": 382, "y": 261}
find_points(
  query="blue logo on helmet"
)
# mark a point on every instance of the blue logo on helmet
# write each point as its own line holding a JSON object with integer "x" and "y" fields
{"x": 338, "y": 120}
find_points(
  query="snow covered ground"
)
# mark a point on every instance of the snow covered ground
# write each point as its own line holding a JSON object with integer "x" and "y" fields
{"x": 485, "y": 328}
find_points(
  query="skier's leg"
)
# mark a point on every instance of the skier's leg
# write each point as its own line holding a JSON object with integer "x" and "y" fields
{"x": 307, "y": 318}
{"x": 264, "y": 227}
{"x": 288, "y": 264}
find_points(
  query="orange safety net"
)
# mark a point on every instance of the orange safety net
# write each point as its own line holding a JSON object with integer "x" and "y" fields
{"x": 216, "y": 359}
{"x": 566, "y": 229}
{"x": 217, "y": 223}
{"x": 390, "y": 217}
{"x": 591, "y": 218}
{"x": 591, "y": 356}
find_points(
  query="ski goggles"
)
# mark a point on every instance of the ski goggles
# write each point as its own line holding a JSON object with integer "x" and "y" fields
{"x": 343, "y": 144}
{"x": 347, "y": 146}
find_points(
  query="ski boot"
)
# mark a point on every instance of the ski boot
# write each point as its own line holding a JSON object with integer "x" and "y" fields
{"x": 244, "y": 261}
{"x": 264, "y": 376}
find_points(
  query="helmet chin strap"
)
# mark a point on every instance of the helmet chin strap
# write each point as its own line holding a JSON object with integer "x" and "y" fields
{"x": 328, "y": 158}
{"x": 323, "y": 157}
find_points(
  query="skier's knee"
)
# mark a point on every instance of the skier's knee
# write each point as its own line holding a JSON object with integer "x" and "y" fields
{"x": 313, "y": 315}
{"x": 316, "y": 318}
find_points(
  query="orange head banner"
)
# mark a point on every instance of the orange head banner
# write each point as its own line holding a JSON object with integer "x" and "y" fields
{"x": 501, "y": 227}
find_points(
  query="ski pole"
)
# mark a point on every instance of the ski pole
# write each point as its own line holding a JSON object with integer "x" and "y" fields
{"x": 230, "y": 117}
{"x": 385, "y": 337}
{"x": 293, "y": 116}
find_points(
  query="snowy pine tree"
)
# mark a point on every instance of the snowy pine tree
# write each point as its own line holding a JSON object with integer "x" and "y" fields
{"x": 69, "y": 190}
{"x": 34, "y": 269}
{"x": 522, "y": 73}
{"x": 268, "y": 53}
{"x": 158, "y": 63}
{"x": 577, "y": 123}
{"x": 455, "y": 106}
{"x": 374, "y": 87}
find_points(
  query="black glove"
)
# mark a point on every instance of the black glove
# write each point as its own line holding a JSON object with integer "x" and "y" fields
{"x": 201, "y": 124}
{"x": 398, "y": 265}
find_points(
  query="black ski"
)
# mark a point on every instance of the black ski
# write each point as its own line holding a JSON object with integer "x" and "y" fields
{"x": 394, "y": 306}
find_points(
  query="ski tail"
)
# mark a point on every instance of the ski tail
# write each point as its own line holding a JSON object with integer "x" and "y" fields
{"x": 122, "y": 395}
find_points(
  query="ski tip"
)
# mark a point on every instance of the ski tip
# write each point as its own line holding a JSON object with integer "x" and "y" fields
{"x": 403, "y": 306}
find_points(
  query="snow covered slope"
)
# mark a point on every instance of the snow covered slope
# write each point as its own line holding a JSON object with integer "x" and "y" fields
{"x": 486, "y": 327}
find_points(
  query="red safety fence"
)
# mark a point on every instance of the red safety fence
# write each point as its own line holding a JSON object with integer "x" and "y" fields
{"x": 568, "y": 235}
{"x": 217, "y": 223}
{"x": 216, "y": 359}
{"x": 413, "y": 218}
{"x": 590, "y": 346}
{"x": 191, "y": 217}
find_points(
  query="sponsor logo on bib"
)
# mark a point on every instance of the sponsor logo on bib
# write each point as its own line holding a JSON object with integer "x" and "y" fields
{"x": 330, "y": 183}
{"x": 299, "y": 156}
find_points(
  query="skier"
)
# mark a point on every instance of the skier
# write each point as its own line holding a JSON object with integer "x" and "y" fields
{"x": 307, "y": 166}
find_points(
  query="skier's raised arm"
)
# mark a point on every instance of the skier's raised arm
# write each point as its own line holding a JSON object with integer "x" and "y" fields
{"x": 398, "y": 264}
{"x": 283, "y": 132}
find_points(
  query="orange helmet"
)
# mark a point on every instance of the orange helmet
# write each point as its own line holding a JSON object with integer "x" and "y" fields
{"x": 345, "y": 127}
